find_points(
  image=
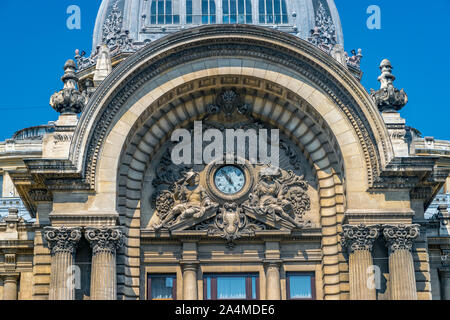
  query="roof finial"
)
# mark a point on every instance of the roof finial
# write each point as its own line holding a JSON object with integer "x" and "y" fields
{"x": 69, "y": 100}
{"x": 388, "y": 98}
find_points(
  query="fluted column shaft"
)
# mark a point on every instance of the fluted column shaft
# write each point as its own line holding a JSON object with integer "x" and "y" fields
{"x": 273, "y": 284}
{"x": 62, "y": 242}
{"x": 190, "y": 290}
{"x": 359, "y": 241}
{"x": 402, "y": 278}
{"x": 104, "y": 243}
{"x": 10, "y": 286}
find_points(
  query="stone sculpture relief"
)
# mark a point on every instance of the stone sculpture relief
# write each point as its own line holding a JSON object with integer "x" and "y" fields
{"x": 280, "y": 194}
{"x": 185, "y": 197}
{"x": 188, "y": 200}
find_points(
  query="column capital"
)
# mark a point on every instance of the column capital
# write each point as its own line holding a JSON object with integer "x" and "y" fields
{"x": 104, "y": 239}
{"x": 270, "y": 263}
{"x": 359, "y": 237}
{"x": 400, "y": 237}
{"x": 10, "y": 276}
{"x": 189, "y": 265}
{"x": 62, "y": 239}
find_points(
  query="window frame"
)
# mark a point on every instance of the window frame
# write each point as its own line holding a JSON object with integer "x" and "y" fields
{"x": 231, "y": 9}
{"x": 313, "y": 285}
{"x": 167, "y": 17}
{"x": 267, "y": 10}
{"x": 160, "y": 275}
{"x": 248, "y": 286}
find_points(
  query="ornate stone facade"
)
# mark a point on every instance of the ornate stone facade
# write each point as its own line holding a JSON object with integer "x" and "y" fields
{"x": 347, "y": 196}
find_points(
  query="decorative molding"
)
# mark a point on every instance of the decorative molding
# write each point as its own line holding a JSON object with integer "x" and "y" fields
{"x": 400, "y": 237}
{"x": 104, "y": 239}
{"x": 360, "y": 237}
{"x": 62, "y": 240}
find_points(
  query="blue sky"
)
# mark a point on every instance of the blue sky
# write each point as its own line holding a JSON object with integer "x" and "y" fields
{"x": 36, "y": 43}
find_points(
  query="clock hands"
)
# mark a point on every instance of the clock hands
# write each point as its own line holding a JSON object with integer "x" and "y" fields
{"x": 228, "y": 178}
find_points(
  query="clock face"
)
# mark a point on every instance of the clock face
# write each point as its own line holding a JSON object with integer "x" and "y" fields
{"x": 229, "y": 180}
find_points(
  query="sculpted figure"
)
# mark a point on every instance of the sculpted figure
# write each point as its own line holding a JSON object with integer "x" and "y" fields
{"x": 278, "y": 194}
{"x": 190, "y": 201}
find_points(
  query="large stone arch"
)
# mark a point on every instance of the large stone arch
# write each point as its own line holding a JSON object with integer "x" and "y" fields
{"x": 294, "y": 117}
{"x": 320, "y": 104}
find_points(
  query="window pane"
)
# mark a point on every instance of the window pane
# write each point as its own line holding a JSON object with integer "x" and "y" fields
{"x": 254, "y": 287}
{"x": 153, "y": 13}
{"x": 277, "y": 8}
{"x": 1, "y": 185}
{"x": 231, "y": 288}
{"x": 262, "y": 12}
{"x": 225, "y": 11}
{"x": 208, "y": 288}
{"x": 188, "y": 11}
{"x": 162, "y": 287}
{"x": 168, "y": 11}
{"x": 248, "y": 11}
{"x": 233, "y": 13}
{"x": 284, "y": 11}
{"x": 160, "y": 11}
{"x": 300, "y": 287}
{"x": 269, "y": 11}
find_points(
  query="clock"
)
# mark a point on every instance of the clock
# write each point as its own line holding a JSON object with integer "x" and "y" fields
{"x": 229, "y": 180}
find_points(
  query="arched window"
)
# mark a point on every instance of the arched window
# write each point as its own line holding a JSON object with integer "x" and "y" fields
{"x": 164, "y": 12}
{"x": 273, "y": 11}
{"x": 237, "y": 11}
{"x": 208, "y": 11}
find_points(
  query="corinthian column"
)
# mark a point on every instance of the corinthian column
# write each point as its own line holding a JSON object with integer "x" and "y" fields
{"x": 359, "y": 242}
{"x": 62, "y": 243}
{"x": 402, "y": 279}
{"x": 104, "y": 243}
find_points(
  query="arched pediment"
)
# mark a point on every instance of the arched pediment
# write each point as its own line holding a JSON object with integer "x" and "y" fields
{"x": 179, "y": 57}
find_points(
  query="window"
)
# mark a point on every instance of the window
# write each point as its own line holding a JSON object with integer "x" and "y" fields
{"x": 273, "y": 11}
{"x": 300, "y": 286}
{"x": 1, "y": 185}
{"x": 237, "y": 11}
{"x": 231, "y": 287}
{"x": 208, "y": 11}
{"x": 188, "y": 11}
{"x": 162, "y": 287}
{"x": 164, "y": 12}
